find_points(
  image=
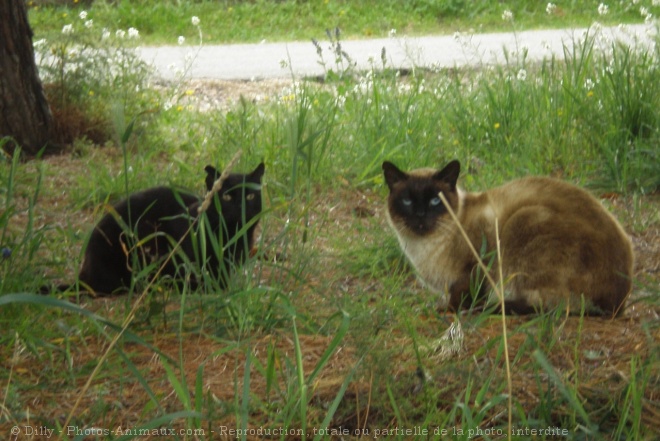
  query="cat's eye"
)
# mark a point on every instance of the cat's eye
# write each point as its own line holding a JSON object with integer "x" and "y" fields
{"x": 435, "y": 202}
{"x": 249, "y": 196}
{"x": 407, "y": 202}
{"x": 226, "y": 197}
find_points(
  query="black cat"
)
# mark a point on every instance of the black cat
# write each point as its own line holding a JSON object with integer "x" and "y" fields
{"x": 145, "y": 227}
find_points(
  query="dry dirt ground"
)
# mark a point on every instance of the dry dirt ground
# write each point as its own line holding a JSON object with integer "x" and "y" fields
{"x": 601, "y": 374}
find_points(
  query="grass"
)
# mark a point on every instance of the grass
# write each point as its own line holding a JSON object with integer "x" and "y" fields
{"x": 327, "y": 330}
{"x": 160, "y": 22}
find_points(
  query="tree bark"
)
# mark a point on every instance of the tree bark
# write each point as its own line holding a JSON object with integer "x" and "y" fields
{"x": 24, "y": 112}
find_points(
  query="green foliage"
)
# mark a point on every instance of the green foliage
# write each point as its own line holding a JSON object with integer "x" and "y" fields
{"x": 90, "y": 74}
{"x": 160, "y": 21}
{"x": 21, "y": 236}
{"x": 589, "y": 116}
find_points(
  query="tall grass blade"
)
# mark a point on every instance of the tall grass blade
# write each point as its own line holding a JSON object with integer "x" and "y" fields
{"x": 245, "y": 400}
{"x": 337, "y": 401}
{"x": 301, "y": 378}
{"x": 178, "y": 385}
{"x": 570, "y": 396}
{"x": 336, "y": 340}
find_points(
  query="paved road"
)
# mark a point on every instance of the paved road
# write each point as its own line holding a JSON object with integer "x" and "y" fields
{"x": 265, "y": 60}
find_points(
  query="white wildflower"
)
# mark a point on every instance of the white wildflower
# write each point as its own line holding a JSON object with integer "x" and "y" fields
{"x": 609, "y": 69}
{"x": 39, "y": 43}
{"x": 195, "y": 20}
{"x": 522, "y": 75}
{"x": 507, "y": 15}
{"x": 589, "y": 84}
{"x": 105, "y": 34}
{"x": 603, "y": 9}
{"x": 120, "y": 33}
{"x": 181, "y": 40}
{"x": 550, "y": 8}
{"x": 133, "y": 33}
{"x": 82, "y": 15}
{"x": 67, "y": 29}
{"x": 392, "y": 33}
{"x": 643, "y": 11}
{"x": 89, "y": 24}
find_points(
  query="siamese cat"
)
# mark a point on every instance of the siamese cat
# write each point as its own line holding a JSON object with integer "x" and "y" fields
{"x": 558, "y": 243}
{"x": 145, "y": 227}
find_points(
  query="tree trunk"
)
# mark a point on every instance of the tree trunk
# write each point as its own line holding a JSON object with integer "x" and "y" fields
{"x": 24, "y": 112}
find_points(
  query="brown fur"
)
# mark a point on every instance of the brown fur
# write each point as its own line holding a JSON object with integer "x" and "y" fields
{"x": 557, "y": 241}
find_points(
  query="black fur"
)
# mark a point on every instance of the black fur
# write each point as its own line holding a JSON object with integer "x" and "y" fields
{"x": 144, "y": 228}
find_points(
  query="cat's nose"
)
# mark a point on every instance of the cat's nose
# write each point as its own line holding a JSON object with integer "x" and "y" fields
{"x": 420, "y": 213}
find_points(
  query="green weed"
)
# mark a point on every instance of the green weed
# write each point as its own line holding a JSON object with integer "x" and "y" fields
{"x": 325, "y": 326}
{"x": 240, "y": 21}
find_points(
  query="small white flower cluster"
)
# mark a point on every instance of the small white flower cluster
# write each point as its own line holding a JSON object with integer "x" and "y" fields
{"x": 68, "y": 29}
{"x": 132, "y": 33}
{"x": 88, "y": 23}
{"x": 507, "y": 15}
{"x": 195, "y": 22}
{"x": 589, "y": 84}
{"x": 464, "y": 40}
{"x": 289, "y": 94}
{"x": 550, "y": 8}
{"x": 365, "y": 85}
{"x": 644, "y": 12}
{"x": 603, "y": 9}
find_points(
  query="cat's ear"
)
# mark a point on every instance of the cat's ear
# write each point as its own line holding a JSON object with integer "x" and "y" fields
{"x": 393, "y": 174}
{"x": 211, "y": 175}
{"x": 449, "y": 174}
{"x": 258, "y": 172}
